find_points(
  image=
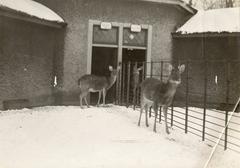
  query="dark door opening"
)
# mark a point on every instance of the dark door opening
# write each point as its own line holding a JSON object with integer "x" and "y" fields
{"x": 133, "y": 56}
{"x": 102, "y": 58}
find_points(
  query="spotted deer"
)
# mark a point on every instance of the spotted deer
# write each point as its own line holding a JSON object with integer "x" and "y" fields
{"x": 93, "y": 83}
{"x": 156, "y": 93}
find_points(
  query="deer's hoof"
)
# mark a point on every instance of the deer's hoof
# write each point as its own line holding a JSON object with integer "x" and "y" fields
{"x": 139, "y": 124}
{"x": 167, "y": 132}
{"x": 147, "y": 125}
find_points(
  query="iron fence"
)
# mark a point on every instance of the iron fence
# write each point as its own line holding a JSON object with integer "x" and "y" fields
{"x": 202, "y": 104}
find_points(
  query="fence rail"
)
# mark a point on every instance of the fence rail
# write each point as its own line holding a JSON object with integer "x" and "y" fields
{"x": 203, "y": 101}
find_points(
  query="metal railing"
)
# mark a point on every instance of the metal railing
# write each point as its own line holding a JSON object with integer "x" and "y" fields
{"x": 202, "y": 103}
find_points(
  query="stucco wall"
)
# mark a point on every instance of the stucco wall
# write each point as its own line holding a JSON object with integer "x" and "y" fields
{"x": 77, "y": 13}
{"x": 26, "y": 61}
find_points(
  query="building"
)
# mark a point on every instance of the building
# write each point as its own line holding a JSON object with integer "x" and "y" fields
{"x": 210, "y": 41}
{"x": 106, "y": 32}
{"x": 29, "y": 38}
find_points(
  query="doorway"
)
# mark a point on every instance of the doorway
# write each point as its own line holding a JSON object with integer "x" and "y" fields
{"x": 102, "y": 58}
{"x": 134, "y": 57}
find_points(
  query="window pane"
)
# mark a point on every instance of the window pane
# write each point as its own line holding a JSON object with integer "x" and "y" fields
{"x": 102, "y": 36}
{"x": 134, "y": 38}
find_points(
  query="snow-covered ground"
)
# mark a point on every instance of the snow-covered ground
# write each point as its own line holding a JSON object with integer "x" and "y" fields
{"x": 104, "y": 137}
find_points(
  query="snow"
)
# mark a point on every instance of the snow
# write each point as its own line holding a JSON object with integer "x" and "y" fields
{"x": 214, "y": 21}
{"x": 32, "y": 8}
{"x": 104, "y": 137}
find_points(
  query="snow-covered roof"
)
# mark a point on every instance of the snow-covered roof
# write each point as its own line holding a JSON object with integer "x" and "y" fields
{"x": 213, "y": 21}
{"x": 31, "y": 8}
{"x": 180, "y": 3}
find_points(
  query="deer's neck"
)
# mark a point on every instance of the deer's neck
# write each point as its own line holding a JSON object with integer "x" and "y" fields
{"x": 172, "y": 86}
{"x": 111, "y": 80}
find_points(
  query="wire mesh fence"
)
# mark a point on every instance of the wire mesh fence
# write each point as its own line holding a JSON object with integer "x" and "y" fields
{"x": 203, "y": 101}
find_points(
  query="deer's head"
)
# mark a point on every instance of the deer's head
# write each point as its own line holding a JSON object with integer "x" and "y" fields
{"x": 175, "y": 76}
{"x": 113, "y": 71}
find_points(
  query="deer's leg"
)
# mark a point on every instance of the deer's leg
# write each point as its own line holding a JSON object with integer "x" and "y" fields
{"x": 141, "y": 110}
{"x": 80, "y": 100}
{"x": 99, "y": 97}
{"x": 165, "y": 108}
{"x": 134, "y": 98}
{"x": 146, "y": 114}
{"x": 85, "y": 99}
{"x": 104, "y": 96}
{"x": 150, "y": 112}
{"x": 155, "y": 107}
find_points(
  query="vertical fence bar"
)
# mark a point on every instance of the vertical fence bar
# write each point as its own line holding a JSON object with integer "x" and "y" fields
{"x": 128, "y": 81}
{"x": 135, "y": 87}
{"x": 187, "y": 92}
{"x": 119, "y": 84}
{"x": 227, "y": 104}
{"x": 172, "y": 109}
{"x": 161, "y": 78}
{"x": 151, "y": 74}
{"x": 123, "y": 83}
{"x": 172, "y": 116}
{"x": 161, "y": 74}
{"x": 205, "y": 99}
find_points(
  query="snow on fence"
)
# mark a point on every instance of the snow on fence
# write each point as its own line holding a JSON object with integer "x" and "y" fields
{"x": 201, "y": 106}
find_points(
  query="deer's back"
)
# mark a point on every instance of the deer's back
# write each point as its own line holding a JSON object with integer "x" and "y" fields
{"x": 157, "y": 91}
{"x": 93, "y": 82}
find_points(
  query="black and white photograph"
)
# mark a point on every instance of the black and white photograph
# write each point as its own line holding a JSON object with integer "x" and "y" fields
{"x": 119, "y": 83}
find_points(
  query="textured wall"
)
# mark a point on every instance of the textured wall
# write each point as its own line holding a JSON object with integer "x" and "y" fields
{"x": 26, "y": 61}
{"x": 215, "y": 49}
{"x": 76, "y": 13}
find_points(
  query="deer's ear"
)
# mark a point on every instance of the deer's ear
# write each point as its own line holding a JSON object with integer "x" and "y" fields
{"x": 141, "y": 68}
{"x": 181, "y": 68}
{"x": 110, "y": 68}
{"x": 170, "y": 67}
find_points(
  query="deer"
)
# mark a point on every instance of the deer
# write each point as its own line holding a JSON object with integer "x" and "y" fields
{"x": 157, "y": 93}
{"x": 135, "y": 82}
{"x": 94, "y": 83}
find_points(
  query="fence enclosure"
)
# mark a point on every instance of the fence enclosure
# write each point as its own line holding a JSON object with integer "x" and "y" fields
{"x": 201, "y": 106}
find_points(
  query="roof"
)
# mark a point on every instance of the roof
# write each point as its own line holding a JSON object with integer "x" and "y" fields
{"x": 32, "y": 9}
{"x": 218, "y": 21}
{"x": 180, "y": 3}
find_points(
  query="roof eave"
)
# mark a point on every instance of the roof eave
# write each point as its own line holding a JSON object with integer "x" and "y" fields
{"x": 180, "y": 3}
{"x": 206, "y": 34}
{"x": 7, "y": 12}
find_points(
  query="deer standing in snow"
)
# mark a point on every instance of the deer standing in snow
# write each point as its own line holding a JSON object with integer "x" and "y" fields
{"x": 156, "y": 93}
{"x": 135, "y": 83}
{"x": 93, "y": 83}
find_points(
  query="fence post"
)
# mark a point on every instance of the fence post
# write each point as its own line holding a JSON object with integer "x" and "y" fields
{"x": 150, "y": 109}
{"x": 135, "y": 91}
{"x": 205, "y": 99}
{"x": 187, "y": 92}
{"x": 161, "y": 75}
{"x": 227, "y": 102}
{"x": 128, "y": 81}
{"x": 123, "y": 83}
{"x": 172, "y": 115}
{"x": 119, "y": 80}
